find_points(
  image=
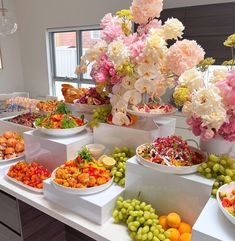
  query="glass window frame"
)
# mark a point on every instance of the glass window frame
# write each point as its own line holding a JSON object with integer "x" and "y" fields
{"x": 79, "y": 79}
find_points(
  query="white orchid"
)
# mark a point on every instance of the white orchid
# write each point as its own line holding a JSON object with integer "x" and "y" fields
{"x": 218, "y": 74}
{"x": 129, "y": 82}
{"x": 120, "y": 106}
{"x": 133, "y": 97}
{"x": 120, "y": 119}
{"x": 118, "y": 89}
{"x": 143, "y": 85}
{"x": 147, "y": 71}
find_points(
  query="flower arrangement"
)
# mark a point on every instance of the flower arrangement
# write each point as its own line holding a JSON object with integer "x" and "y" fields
{"x": 131, "y": 64}
{"x": 211, "y": 107}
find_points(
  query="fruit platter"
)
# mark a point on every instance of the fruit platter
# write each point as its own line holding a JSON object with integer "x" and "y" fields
{"x": 151, "y": 109}
{"x": 11, "y": 146}
{"x": 28, "y": 175}
{"x": 61, "y": 123}
{"x": 82, "y": 176}
{"x": 26, "y": 119}
{"x": 90, "y": 100}
{"x": 170, "y": 155}
{"x": 226, "y": 201}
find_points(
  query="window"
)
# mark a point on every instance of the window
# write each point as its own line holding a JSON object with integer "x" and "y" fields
{"x": 66, "y": 49}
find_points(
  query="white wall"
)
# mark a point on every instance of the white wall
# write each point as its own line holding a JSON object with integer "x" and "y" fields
{"x": 36, "y": 16}
{"x": 11, "y": 78}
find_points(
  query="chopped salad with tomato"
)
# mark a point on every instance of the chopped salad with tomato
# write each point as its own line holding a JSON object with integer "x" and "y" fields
{"x": 83, "y": 172}
{"x": 60, "y": 121}
{"x": 31, "y": 174}
{"x": 228, "y": 201}
{"x": 171, "y": 151}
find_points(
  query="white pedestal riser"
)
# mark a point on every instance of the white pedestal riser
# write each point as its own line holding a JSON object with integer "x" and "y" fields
{"x": 53, "y": 152}
{"x": 133, "y": 136}
{"x": 166, "y": 192}
{"x": 96, "y": 208}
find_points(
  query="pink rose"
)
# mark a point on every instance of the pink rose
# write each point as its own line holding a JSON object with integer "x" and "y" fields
{"x": 207, "y": 135}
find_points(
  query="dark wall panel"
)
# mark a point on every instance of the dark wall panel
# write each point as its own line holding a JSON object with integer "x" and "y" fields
{"x": 209, "y": 25}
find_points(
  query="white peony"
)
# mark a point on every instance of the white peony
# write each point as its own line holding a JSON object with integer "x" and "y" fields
{"x": 173, "y": 29}
{"x": 192, "y": 79}
{"x": 118, "y": 52}
{"x": 218, "y": 74}
{"x": 207, "y": 104}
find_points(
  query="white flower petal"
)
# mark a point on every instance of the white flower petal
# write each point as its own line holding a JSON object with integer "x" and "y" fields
{"x": 143, "y": 85}
{"x": 147, "y": 71}
{"x": 120, "y": 119}
{"x": 133, "y": 97}
{"x": 120, "y": 106}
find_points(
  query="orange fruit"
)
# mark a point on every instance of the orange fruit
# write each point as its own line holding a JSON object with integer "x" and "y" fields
{"x": 184, "y": 228}
{"x": 175, "y": 234}
{"x": 185, "y": 237}
{"x": 162, "y": 221}
{"x": 173, "y": 220}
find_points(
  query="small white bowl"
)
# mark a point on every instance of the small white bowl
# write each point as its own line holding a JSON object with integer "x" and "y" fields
{"x": 96, "y": 150}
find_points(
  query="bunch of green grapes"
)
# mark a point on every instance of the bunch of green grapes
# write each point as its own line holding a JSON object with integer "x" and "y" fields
{"x": 100, "y": 115}
{"x": 218, "y": 166}
{"x": 222, "y": 168}
{"x": 121, "y": 155}
{"x": 141, "y": 220}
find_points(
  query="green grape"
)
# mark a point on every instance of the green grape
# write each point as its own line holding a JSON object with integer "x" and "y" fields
{"x": 216, "y": 167}
{"x": 210, "y": 164}
{"x": 156, "y": 238}
{"x": 207, "y": 170}
{"x": 216, "y": 184}
{"x": 227, "y": 179}
{"x": 209, "y": 175}
{"x": 213, "y": 158}
{"x": 204, "y": 165}
{"x": 223, "y": 162}
{"x": 200, "y": 169}
{"x": 121, "y": 155}
{"x": 229, "y": 172}
{"x": 214, "y": 191}
{"x": 100, "y": 115}
{"x": 161, "y": 236}
{"x": 220, "y": 178}
{"x": 150, "y": 235}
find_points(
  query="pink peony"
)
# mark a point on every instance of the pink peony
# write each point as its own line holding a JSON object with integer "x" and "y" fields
{"x": 111, "y": 32}
{"x": 207, "y": 134}
{"x": 144, "y": 29}
{"x": 227, "y": 88}
{"x": 227, "y": 130}
{"x": 195, "y": 124}
{"x": 184, "y": 55}
{"x": 144, "y": 10}
{"x": 107, "y": 19}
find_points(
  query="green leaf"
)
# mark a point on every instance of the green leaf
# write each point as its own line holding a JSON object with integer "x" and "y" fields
{"x": 62, "y": 109}
{"x": 68, "y": 122}
{"x": 85, "y": 154}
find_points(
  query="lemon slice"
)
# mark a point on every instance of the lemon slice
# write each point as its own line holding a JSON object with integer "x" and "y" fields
{"x": 108, "y": 162}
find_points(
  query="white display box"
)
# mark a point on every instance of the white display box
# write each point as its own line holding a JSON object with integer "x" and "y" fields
{"x": 212, "y": 225}
{"x": 53, "y": 151}
{"x": 167, "y": 192}
{"x": 142, "y": 132}
{"x": 96, "y": 208}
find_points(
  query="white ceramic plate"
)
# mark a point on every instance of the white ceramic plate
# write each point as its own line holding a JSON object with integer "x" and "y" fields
{"x": 226, "y": 188}
{"x": 170, "y": 169}
{"x": 150, "y": 115}
{"x": 80, "y": 191}
{"x": 37, "y": 190}
{"x": 5, "y": 161}
{"x": 62, "y": 132}
{"x": 85, "y": 107}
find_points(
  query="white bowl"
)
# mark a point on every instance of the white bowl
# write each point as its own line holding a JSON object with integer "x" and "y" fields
{"x": 96, "y": 150}
{"x": 226, "y": 188}
{"x": 80, "y": 191}
{"x": 62, "y": 132}
{"x": 171, "y": 169}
